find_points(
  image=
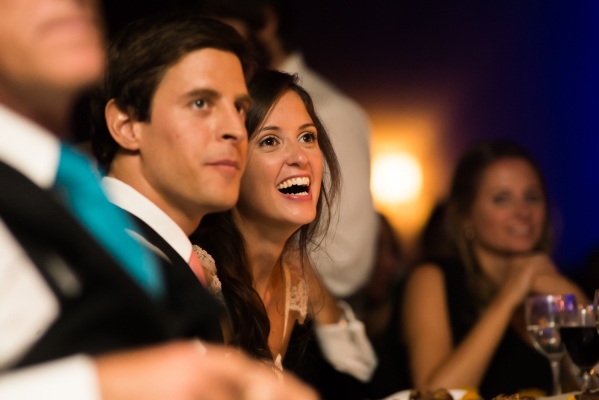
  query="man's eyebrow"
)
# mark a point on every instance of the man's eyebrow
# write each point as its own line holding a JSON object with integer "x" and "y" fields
{"x": 244, "y": 99}
{"x": 205, "y": 93}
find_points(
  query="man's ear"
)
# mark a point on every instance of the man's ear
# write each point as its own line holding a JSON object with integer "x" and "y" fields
{"x": 122, "y": 126}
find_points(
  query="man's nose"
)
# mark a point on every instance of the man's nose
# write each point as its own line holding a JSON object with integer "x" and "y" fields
{"x": 231, "y": 125}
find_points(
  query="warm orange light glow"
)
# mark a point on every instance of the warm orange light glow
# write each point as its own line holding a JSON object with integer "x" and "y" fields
{"x": 396, "y": 178}
{"x": 416, "y": 136}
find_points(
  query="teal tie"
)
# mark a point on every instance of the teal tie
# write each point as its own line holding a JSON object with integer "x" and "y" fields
{"x": 78, "y": 185}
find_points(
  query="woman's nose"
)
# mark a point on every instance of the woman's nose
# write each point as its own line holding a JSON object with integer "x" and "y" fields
{"x": 523, "y": 209}
{"x": 296, "y": 155}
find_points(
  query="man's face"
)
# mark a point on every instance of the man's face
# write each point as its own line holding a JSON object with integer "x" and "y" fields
{"x": 193, "y": 150}
{"x": 49, "y": 44}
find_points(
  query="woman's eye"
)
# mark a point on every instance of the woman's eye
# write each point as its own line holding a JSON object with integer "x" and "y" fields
{"x": 268, "y": 142}
{"x": 308, "y": 137}
{"x": 534, "y": 197}
{"x": 500, "y": 199}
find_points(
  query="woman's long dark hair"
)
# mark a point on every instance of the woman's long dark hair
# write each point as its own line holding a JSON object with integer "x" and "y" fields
{"x": 219, "y": 236}
{"x": 464, "y": 189}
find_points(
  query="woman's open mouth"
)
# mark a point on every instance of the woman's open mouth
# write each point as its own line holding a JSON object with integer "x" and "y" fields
{"x": 295, "y": 186}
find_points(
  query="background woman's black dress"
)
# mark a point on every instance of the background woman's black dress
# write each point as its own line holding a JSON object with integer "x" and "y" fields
{"x": 515, "y": 365}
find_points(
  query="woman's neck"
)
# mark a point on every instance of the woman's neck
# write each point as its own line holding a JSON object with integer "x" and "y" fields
{"x": 493, "y": 264}
{"x": 264, "y": 247}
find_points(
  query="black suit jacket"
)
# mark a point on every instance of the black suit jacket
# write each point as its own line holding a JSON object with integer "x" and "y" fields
{"x": 196, "y": 312}
{"x": 107, "y": 310}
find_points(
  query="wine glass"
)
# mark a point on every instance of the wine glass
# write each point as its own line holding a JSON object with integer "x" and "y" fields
{"x": 579, "y": 335}
{"x": 542, "y": 315}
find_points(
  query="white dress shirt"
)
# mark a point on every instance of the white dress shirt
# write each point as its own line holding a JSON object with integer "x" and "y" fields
{"x": 124, "y": 196}
{"x": 28, "y": 306}
{"x": 347, "y": 255}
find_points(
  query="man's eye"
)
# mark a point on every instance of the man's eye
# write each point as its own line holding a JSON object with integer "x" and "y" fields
{"x": 200, "y": 103}
{"x": 241, "y": 110}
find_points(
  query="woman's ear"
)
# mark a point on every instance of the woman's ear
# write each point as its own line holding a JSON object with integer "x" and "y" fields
{"x": 121, "y": 126}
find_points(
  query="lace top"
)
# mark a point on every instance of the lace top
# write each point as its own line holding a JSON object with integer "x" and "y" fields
{"x": 296, "y": 297}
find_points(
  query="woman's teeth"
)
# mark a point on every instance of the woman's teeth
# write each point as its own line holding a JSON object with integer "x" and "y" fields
{"x": 305, "y": 181}
{"x": 295, "y": 186}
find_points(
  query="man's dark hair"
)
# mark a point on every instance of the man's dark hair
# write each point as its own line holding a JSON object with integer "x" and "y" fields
{"x": 285, "y": 12}
{"x": 139, "y": 57}
{"x": 251, "y": 12}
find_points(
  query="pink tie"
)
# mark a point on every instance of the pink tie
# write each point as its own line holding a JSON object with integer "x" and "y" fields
{"x": 196, "y": 267}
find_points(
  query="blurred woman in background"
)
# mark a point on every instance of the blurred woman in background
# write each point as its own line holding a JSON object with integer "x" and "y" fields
{"x": 462, "y": 319}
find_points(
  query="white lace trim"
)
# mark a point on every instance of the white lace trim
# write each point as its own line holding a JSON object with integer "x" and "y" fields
{"x": 215, "y": 287}
{"x": 298, "y": 298}
{"x": 297, "y": 295}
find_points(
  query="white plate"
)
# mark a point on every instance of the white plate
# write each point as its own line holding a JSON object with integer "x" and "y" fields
{"x": 457, "y": 394}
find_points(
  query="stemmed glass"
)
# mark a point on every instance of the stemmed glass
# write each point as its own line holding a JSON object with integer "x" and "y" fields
{"x": 542, "y": 322}
{"x": 579, "y": 335}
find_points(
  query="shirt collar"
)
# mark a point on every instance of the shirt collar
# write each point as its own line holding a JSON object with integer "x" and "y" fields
{"x": 28, "y": 148}
{"x": 129, "y": 199}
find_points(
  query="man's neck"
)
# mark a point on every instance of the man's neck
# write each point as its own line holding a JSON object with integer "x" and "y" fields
{"x": 188, "y": 222}
{"x": 50, "y": 110}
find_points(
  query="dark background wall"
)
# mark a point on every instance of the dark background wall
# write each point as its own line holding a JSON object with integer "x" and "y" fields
{"x": 527, "y": 71}
{"x": 515, "y": 69}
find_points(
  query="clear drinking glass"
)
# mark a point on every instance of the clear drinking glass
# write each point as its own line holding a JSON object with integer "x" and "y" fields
{"x": 579, "y": 334}
{"x": 543, "y": 315}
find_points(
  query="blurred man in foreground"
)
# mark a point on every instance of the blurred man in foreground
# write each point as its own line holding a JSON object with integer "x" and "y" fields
{"x": 75, "y": 290}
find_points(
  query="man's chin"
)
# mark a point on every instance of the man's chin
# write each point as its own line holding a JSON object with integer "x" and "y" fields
{"x": 223, "y": 203}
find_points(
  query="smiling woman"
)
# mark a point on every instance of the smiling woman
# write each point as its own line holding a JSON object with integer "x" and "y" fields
{"x": 461, "y": 318}
{"x": 259, "y": 249}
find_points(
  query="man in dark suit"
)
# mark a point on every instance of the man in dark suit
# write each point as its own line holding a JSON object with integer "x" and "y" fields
{"x": 75, "y": 290}
{"x": 170, "y": 134}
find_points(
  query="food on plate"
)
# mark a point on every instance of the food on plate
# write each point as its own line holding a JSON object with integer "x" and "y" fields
{"x": 439, "y": 394}
{"x": 588, "y": 395}
{"x": 471, "y": 394}
{"x": 516, "y": 396}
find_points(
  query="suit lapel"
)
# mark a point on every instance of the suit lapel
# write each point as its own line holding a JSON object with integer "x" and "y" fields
{"x": 108, "y": 311}
{"x": 197, "y": 311}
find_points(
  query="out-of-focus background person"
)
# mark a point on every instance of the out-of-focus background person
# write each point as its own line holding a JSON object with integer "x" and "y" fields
{"x": 461, "y": 318}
